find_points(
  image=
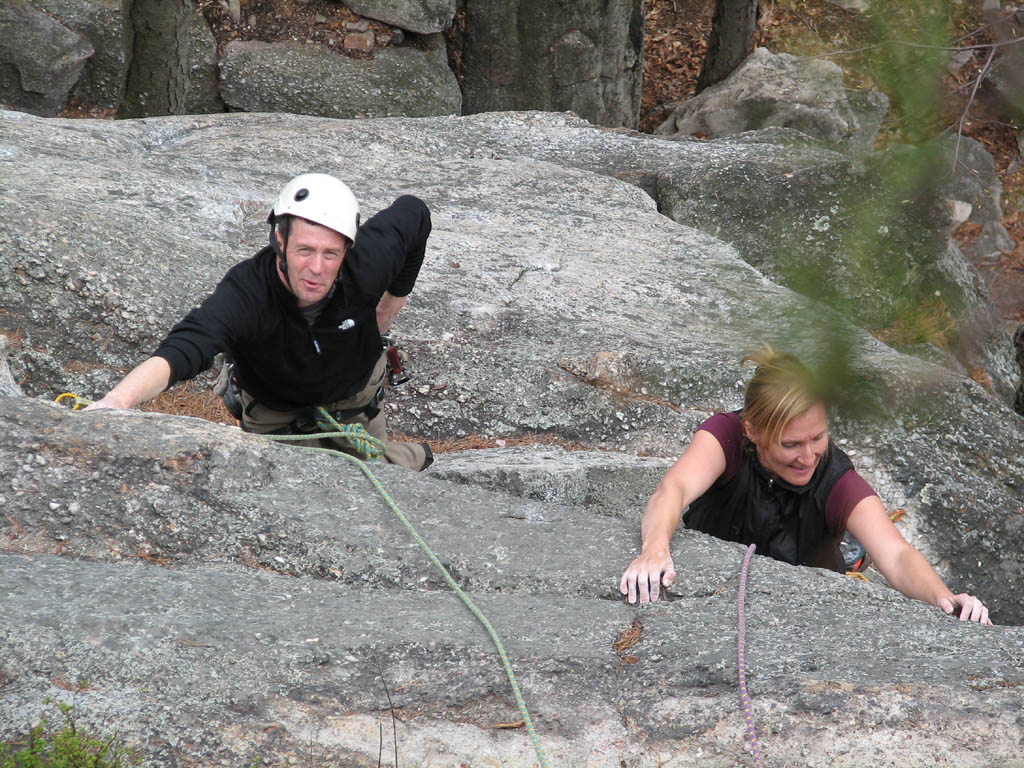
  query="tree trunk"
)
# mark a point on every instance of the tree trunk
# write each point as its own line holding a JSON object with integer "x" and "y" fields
{"x": 732, "y": 38}
{"x": 158, "y": 72}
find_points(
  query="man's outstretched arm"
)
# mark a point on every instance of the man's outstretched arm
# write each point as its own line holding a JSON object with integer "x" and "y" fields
{"x": 145, "y": 381}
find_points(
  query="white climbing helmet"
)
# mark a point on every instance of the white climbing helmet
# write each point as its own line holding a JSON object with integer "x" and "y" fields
{"x": 321, "y": 199}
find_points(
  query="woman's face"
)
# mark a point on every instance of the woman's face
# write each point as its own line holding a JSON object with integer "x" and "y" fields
{"x": 795, "y": 457}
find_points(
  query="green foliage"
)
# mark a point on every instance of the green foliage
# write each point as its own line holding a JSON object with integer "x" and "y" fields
{"x": 65, "y": 747}
{"x": 913, "y": 38}
{"x": 928, "y": 321}
{"x": 885, "y": 219}
{"x": 897, "y": 46}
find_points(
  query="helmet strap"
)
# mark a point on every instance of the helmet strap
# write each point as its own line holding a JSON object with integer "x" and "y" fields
{"x": 280, "y": 227}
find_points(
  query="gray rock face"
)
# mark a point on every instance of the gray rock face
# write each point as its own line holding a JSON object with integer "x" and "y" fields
{"x": 781, "y": 90}
{"x": 8, "y": 386}
{"x": 604, "y": 482}
{"x": 1007, "y": 75}
{"x": 794, "y": 210}
{"x": 203, "y": 94}
{"x": 584, "y": 56}
{"x": 422, "y": 16}
{"x": 554, "y": 300}
{"x": 40, "y": 59}
{"x": 834, "y": 228}
{"x": 313, "y": 80}
{"x": 228, "y": 598}
{"x": 261, "y": 585}
{"x": 104, "y": 24}
{"x": 976, "y": 183}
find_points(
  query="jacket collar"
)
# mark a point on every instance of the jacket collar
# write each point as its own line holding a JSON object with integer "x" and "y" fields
{"x": 776, "y": 480}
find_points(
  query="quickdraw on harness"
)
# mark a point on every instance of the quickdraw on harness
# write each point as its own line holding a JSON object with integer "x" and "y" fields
{"x": 398, "y": 361}
{"x": 372, "y": 448}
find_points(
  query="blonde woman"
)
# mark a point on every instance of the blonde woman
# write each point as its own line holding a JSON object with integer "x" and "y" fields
{"x": 769, "y": 475}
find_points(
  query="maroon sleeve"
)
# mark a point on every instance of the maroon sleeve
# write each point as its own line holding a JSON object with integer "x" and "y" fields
{"x": 728, "y": 431}
{"x": 847, "y": 493}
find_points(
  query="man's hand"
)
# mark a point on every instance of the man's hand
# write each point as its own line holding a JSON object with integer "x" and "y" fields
{"x": 108, "y": 401}
{"x": 971, "y": 608}
{"x": 144, "y": 382}
{"x": 646, "y": 574}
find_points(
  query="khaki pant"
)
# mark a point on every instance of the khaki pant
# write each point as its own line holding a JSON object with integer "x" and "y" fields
{"x": 262, "y": 420}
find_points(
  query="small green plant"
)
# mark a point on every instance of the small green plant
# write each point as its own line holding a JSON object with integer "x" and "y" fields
{"x": 928, "y": 321}
{"x": 66, "y": 747}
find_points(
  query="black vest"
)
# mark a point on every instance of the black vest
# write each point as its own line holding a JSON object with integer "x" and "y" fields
{"x": 785, "y": 521}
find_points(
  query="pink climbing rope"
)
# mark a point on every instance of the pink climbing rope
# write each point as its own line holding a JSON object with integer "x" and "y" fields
{"x": 742, "y": 664}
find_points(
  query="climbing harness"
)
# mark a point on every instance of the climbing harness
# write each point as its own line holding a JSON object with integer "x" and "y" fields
{"x": 361, "y": 441}
{"x": 372, "y": 448}
{"x": 742, "y": 664}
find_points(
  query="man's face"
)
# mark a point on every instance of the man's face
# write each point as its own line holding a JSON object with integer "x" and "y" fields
{"x": 313, "y": 259}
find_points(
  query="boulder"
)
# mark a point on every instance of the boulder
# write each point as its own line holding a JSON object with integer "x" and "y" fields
{"x": 1006, "y": 76}
{"x": 526, "y": 319}
{"x": 781, "y": 90}
{"x": 224, "y": 600}
{"x": 850, "y": 233}
{"x": 40, "y": 59}
{"x": 421, "y": 16}
{"x": 794, "y": 209}
{"x": 273, "y": 594}
{"x": 202, "y": 95}
{"x": 313, "y": 80}
{"x": 585, "y": 56}
{"x": 975, "y": 182}
{"x": 105, "y": 24}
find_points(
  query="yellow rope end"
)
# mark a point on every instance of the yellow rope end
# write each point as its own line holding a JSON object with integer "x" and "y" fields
{"x": 80, "y": 402}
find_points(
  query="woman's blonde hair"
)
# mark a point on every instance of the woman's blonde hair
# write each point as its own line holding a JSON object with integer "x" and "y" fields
{"x": 780, "y": 390}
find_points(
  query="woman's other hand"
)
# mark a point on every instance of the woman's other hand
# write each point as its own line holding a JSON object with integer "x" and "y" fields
{"x": 971, "y": 608}
{"x": 646, "y": 575}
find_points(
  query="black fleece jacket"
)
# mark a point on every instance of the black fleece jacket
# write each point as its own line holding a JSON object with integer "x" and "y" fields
{"x": 280, "y": 359}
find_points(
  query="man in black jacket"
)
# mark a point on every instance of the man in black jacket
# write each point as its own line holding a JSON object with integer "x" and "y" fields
{"x": 302, "y": 319}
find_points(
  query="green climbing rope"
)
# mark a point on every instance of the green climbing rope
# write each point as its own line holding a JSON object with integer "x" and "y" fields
{"x": 355, "y": 435}
{"x": 373, "y": 448}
